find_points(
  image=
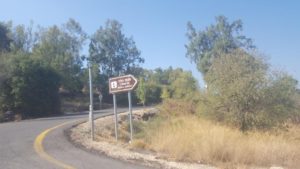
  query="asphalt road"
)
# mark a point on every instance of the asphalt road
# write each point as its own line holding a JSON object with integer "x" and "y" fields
{"x": 17, "y": 150}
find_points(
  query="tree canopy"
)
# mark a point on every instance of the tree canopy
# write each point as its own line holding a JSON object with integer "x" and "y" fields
{"x": 244, "y": 91}
{"x": 60, "y": 49}
{"x": 5, "y": 40}
{"x": 29, "y": 89}
{"x": 158, "y": 84}
{"x": 116, "y": 53}
{"x": 206, "y": 45}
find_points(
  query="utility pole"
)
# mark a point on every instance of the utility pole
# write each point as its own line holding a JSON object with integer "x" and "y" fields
{"x": 91, "y": 113}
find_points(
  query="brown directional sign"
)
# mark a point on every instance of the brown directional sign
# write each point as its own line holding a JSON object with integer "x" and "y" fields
{"x": 122, "y": 84}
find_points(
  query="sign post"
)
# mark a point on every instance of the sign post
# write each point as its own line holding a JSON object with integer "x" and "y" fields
{"x": 118, "y": 85}
{"x": 130, "y": 115}
{"x": 116, "y": 116}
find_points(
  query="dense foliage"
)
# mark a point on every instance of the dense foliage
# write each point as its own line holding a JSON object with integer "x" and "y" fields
{"x": 206, "y": 45}
{"x": 4, "y": 38}
{"x": 40, "y": 64}
{"x": 116, "y": 53}
{"x": 242, "y": 88}
{"x": 243, "y": 91}
{"x": 166, "y": 84}
{"x": 59, "y": 48}
{"x": 29, "y": 89}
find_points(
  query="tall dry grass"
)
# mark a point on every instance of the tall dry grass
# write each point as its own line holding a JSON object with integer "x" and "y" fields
{"x": 189, "y": 138}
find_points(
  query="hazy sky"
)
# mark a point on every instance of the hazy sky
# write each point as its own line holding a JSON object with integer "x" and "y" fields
{"x": 159, "y": 26}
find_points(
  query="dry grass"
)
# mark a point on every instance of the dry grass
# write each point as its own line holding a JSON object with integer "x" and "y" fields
{"x": 189, "y": 138}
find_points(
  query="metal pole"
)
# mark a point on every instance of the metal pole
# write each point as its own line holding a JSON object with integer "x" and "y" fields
{"x": 100, "y": 98}
{"x": 91, "y": 115}
{"x": 116, "y": 116}
{"x": 130, "y": 115}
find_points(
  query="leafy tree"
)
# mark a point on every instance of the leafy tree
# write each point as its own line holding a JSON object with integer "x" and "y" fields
{"x": 182, "y": 85}
{"x": 296, "y": 118}
{"x": 279, "y": 96}
{"x": 153, "y": 93}
{"x": 148, "y": 91}
{"x": 23, "y": 38}
{"x": 31, "y": 89}
{"x": 5, "y": 40}
{"x": 141, "y": 91}
{"x": 3, "y": 63}
{"x": 223, "y": 37}
{"x": 100, "y": 84}
{"x": 171, "y": 83}
{"x": 175, "y": 83}
{"x": 60, "y": 49}
{"x": 242, "y": 91}
{"x": 165, "y": 94}
{"x": 116, "y": 53}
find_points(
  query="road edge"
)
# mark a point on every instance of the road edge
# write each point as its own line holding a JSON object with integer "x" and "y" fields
{"x": 40, "y": 150}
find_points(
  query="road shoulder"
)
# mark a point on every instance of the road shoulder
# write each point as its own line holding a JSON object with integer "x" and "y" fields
{"x": 80, "y": 137}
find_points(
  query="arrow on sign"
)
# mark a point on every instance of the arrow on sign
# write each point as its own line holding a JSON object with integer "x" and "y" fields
{"x": 122, "y": 84}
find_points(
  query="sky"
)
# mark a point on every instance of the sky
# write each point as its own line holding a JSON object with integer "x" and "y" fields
{"x": 159, "y": 27}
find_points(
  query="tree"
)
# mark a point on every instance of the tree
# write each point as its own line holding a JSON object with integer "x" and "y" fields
{"x": 223, "y": 37}
{"x": 182, "y": 84}
{"x": 23, "y": 38}
{"x": 158, "y": 84}
{"x": 165, "y": 94}
{"x": 115, "y": 53}
{"x": 280, "y": 95}
{"x": 242, "y": 91}
{"x": 3, "y": 63}
{"x": 60, "y": 49}
{"x": 30, "y": 89}
{"x": 141, "y": 91}
{"x": 5, "y": 40}
{"x": 296, "y": 118}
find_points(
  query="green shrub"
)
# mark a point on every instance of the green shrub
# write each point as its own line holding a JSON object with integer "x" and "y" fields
{"x": 155, "y": 86}
{"x": 242, "y": 91}
{"x": 148, "y": 93}
{"x": 31, "y": 89}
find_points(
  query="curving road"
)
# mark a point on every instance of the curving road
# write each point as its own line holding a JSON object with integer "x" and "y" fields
{"x": 17, "y": 150}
